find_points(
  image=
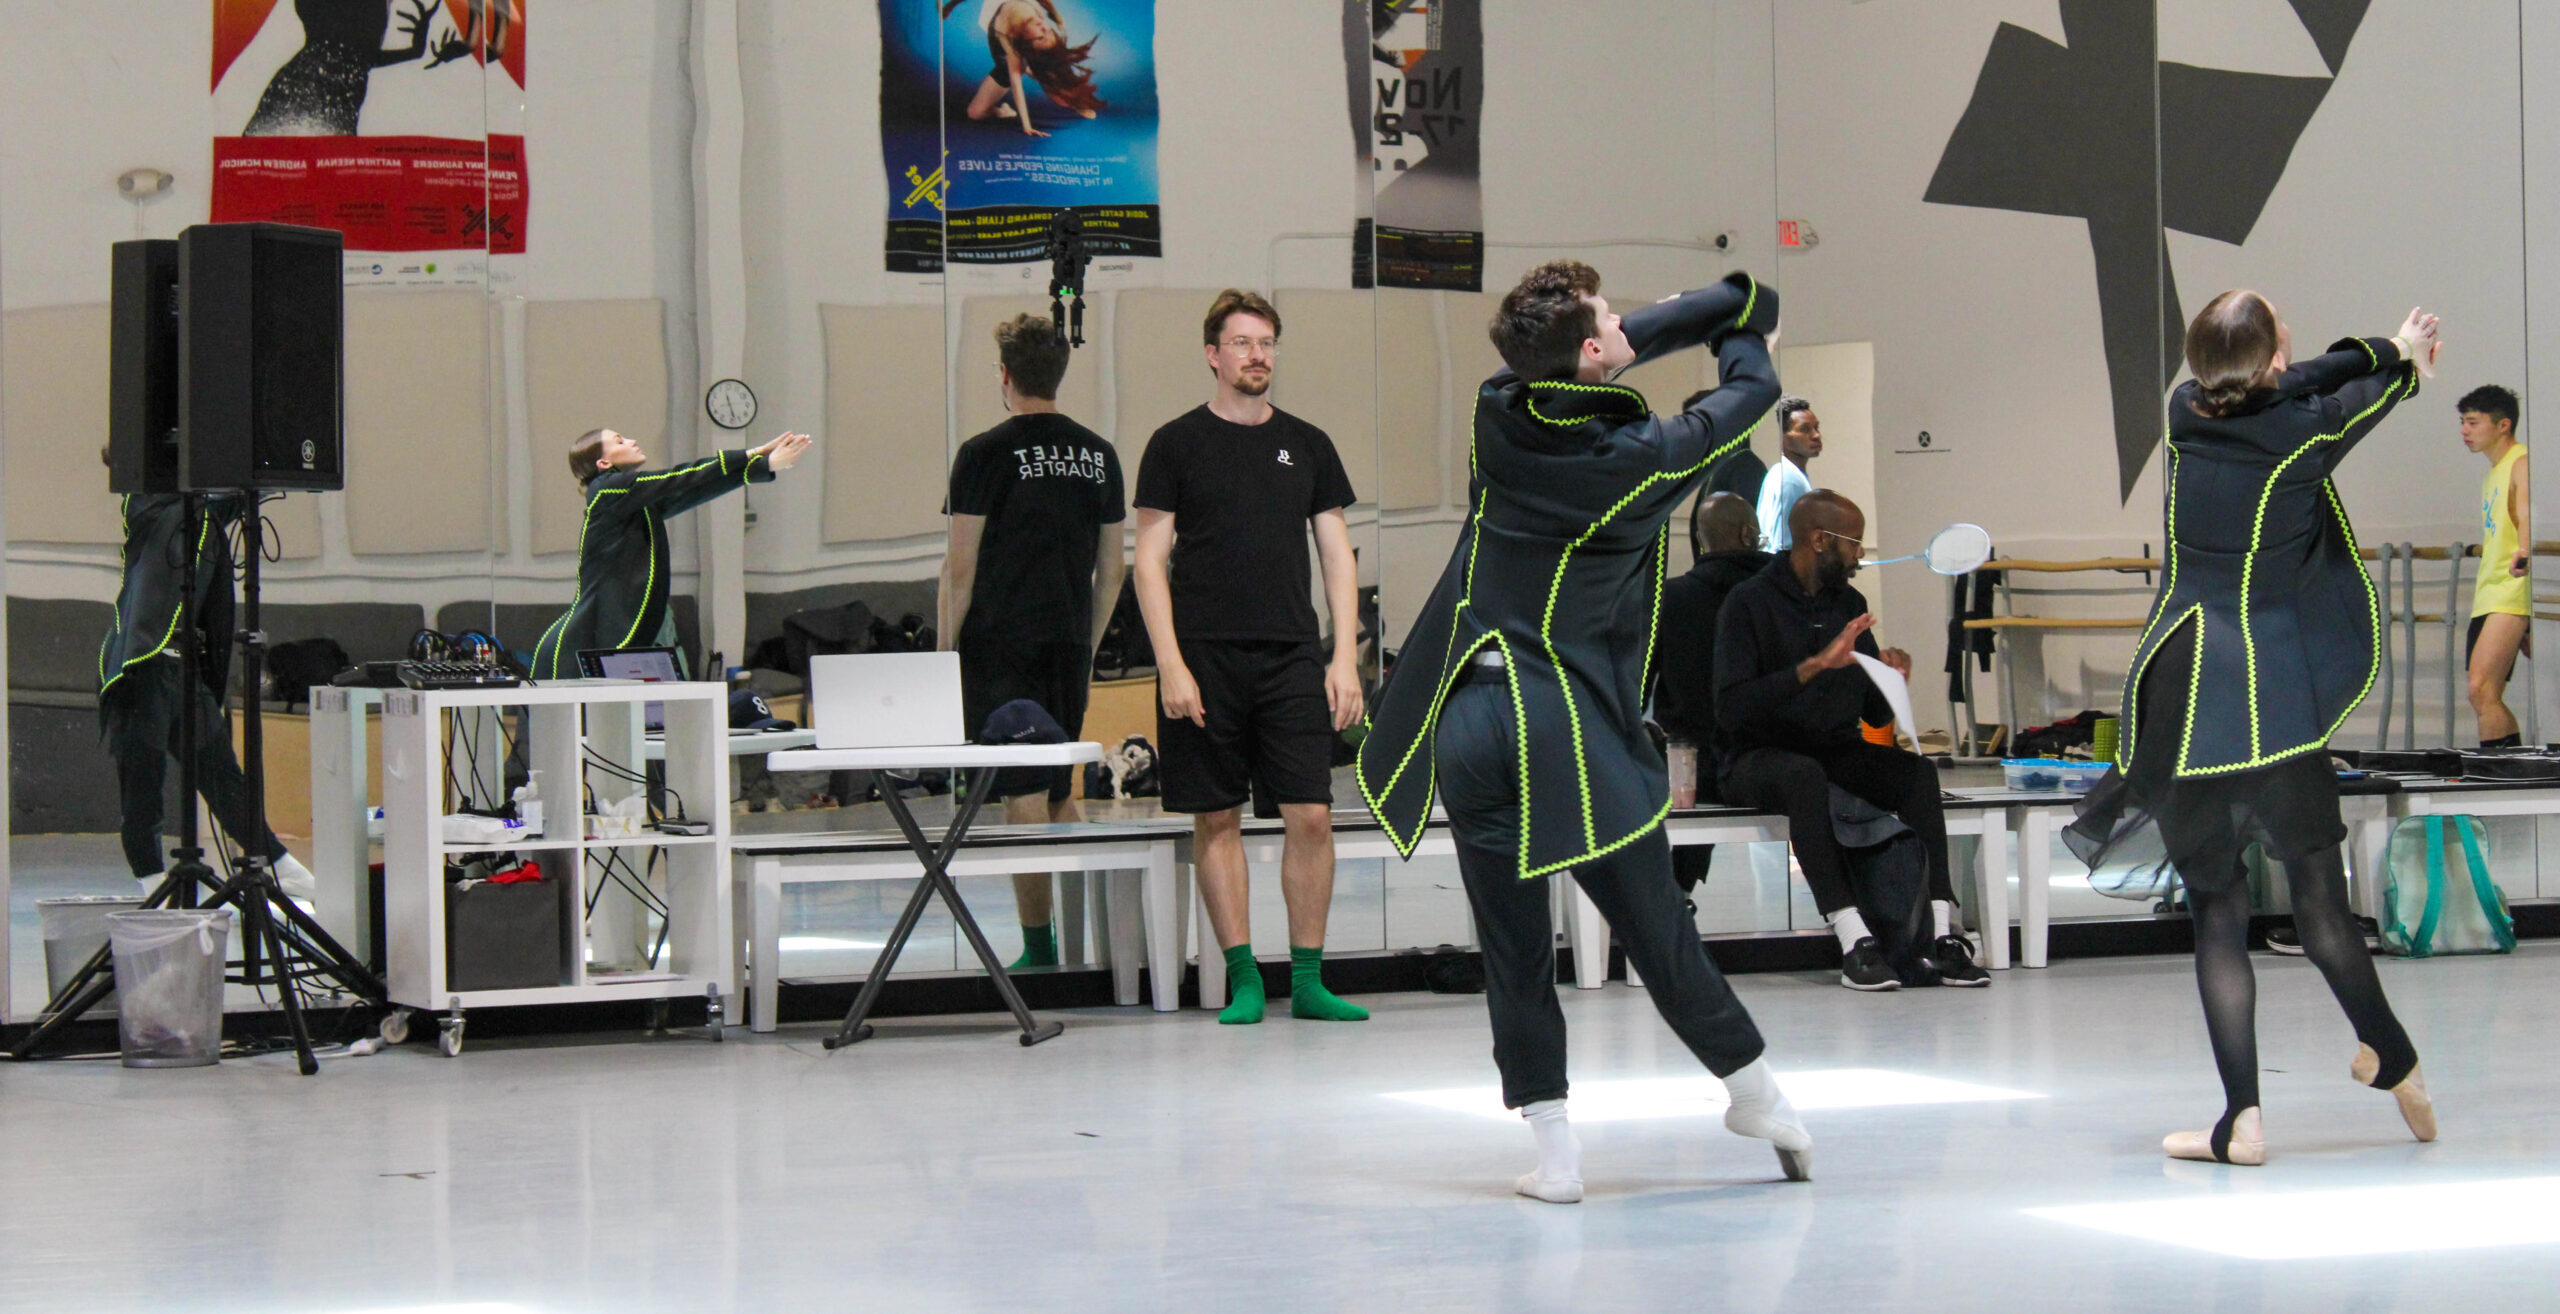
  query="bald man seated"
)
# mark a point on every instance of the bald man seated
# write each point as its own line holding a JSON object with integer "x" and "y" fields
{"x": 1724, "y": 532}
{"x": 1789, "y": 697}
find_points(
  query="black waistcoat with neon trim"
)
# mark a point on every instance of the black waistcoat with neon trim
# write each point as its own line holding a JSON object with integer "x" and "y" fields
{"x": 2262, "y": 568}
{"x": 1561, "y": 566}
{"x": 623, "y": 582}
{"x": 146, "y": 621}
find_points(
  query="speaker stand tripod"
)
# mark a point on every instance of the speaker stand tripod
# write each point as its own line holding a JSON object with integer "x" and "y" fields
{"x": 281, "y": 945}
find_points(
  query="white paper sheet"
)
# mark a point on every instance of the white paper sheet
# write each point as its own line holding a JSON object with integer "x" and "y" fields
{"x": 1897, "y": 691}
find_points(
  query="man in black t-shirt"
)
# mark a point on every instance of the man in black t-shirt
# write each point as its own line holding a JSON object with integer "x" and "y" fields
{"x": 1251, "y": 700}
{"x": 1032, "y": 573}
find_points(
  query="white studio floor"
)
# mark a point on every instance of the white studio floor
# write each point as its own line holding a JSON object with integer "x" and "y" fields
{"x": 1976, "y": 1151}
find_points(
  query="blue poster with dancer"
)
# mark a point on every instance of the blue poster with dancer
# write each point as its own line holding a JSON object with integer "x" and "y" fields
{"x": 995, "y": 114}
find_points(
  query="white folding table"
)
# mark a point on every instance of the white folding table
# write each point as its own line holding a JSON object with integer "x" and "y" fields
{"x": 981, "y": 762}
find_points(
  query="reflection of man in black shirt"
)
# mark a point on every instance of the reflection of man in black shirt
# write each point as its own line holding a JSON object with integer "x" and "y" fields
{"x": 1033, "y": 570}
{"x": 1226, "y": 495}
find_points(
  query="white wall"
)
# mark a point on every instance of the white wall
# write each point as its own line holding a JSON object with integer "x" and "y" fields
{"x": 1985, "y": 322}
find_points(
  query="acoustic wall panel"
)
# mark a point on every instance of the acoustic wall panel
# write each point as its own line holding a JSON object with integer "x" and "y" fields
{"x": 53, "y": 404}
{"x": 883, "y": 447}
{"x": 591, "y": 365}
{"x": 420, "y": 453}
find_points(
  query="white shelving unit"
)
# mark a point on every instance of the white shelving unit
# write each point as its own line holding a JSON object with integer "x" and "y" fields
{"x": 568, "y": 728}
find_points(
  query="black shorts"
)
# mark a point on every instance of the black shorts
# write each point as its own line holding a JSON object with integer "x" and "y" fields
{"x": 1058, "y": 676}
{"x": 2525, "y": 649}
{"x": 1269, "y": 736}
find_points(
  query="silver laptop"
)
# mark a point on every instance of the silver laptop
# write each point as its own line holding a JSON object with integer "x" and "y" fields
{"x": 886, "y": 700}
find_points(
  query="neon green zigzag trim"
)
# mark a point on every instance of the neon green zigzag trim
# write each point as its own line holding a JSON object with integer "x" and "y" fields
{"x": 2143, "y": 647}
{"x": 2248, "y": 641}
{"x": 1641, "y": 403}
{"x": 1546, "y": 637}
{"x": 204, "y": 531}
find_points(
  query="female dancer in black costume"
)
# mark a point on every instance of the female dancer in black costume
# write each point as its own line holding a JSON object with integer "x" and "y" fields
{"x": 2264, "y": 636}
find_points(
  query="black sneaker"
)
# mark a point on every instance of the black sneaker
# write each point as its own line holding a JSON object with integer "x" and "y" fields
{"x": 1863, "y": 967}
{"x": 2284, "y": 940}
{"x": 1953, "y": 957}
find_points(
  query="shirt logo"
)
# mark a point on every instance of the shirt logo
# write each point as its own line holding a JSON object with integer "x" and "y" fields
{"x": 1047, "y": 460}
{"x": 1284, "y": 456}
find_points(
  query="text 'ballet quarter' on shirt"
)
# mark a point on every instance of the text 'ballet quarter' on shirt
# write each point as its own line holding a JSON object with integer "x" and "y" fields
{"x": 1241, "y": 496}
{"x": 1046, "y": 485}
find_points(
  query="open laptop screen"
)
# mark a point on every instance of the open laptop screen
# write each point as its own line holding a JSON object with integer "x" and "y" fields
{"x": 654, "y": 665}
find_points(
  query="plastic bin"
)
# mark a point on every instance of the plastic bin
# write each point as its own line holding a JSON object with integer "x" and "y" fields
{"x": 169, "y": 972}
{"x": 2046, "y": 774}
{"x": 74, "y": 928}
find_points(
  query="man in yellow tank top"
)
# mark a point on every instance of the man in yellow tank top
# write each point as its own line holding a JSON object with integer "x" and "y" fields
{"x": 2502, "y": 602}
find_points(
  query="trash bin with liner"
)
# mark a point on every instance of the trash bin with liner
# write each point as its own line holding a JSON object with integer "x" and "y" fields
{"x": 169, "y": 973}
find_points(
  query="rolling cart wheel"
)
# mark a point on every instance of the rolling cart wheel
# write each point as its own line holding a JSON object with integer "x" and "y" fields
{"x": 711, "y": 1013}
{"x": 395, "y": 1027}
{"x": 450, "y": 1038}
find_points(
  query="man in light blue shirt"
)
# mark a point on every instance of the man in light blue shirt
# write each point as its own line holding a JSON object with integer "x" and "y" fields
{"x": 1799, "y": 441}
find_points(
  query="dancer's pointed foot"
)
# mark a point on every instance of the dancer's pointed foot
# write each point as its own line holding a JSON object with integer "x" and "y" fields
{"x": 2415, "y": 1108}
{"x": 1566, "y": 1190}
{"x": 1760, "y": 1110}
{"x": 2237, "y": 1139}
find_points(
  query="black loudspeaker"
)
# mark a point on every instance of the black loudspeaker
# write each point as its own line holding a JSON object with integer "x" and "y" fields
{"x": 261, "y": 384}
{"x": 142, "y": 369}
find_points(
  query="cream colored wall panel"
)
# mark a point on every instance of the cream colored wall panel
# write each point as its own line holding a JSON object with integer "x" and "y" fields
{"x": 1410, "y": 436}
{"x": 1156, "y": 363}
{"x": 884, "y": 440}
{"x": 589, "y": 365}
{"x": 53, "y": 365}
{"x": 982, "y": 403}
{"x": 297, "y": 522}
{"x": 1839, "y": 378}
{"x": 418, "y": 429}
{"x": 1327, "y": 374}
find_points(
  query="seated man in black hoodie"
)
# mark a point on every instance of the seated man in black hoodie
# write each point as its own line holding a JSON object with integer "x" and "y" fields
{"x": 1789, "y": 698}
{"x": 1724, "y": 532}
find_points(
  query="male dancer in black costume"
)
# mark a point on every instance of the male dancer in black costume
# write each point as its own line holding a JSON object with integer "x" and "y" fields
{"x": 1520, "y": 698}
{"x": 623, "y": 575}
{"x": 140, "y": 693}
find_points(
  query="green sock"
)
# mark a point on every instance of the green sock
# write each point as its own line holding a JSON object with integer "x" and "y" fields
{"x": 1307, "y": 996}
{"x": 1244, "y": 988}
{"x": 1039, "y": 948}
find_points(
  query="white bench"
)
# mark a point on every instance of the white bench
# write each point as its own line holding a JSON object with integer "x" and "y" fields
{"x": 1585, "y": 930}
{"x": 1139, "y": 904}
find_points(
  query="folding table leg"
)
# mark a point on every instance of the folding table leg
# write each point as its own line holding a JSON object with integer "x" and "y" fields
{"x": 1123, "y": 938}
{"x": 937, "y": 879}
{"x": 1070, "y": 904}
{"x": 1165, "y": 918}
{"x": 1992, "y": 864}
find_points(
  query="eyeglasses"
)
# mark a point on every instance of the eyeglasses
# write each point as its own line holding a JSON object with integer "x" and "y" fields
{"x": 1863, "y": 548}
{"x": 1247, "y": 346}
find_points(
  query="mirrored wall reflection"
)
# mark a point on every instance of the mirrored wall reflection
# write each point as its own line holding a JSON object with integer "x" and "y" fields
{"x": 2010, "y": 273}
{"x": 400, "y": 160}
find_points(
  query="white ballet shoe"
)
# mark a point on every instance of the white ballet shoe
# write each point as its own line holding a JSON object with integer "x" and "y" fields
{"x": 2415, "y": 1108}
{"x": 1556, "y": 1190}
{"x": 2248, "y": 1142}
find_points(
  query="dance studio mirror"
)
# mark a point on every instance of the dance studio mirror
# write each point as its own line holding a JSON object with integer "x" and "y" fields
{"x": 1987, "y": 297}
{"x": 402, "y": 161}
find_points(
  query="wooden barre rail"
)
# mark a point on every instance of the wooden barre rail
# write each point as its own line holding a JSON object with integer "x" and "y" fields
{"x": 2542, "y": 548}
{"x": 2052, "y": 623}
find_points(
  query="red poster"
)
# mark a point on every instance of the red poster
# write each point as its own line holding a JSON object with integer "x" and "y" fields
{"x": 377, "y": 120}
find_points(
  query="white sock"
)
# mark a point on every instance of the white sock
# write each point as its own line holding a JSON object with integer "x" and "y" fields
{"x": 295, "y": 878}
{"x": 151, "y": 882}
{"x": 1850, "y": 927}
{"x": 1558, "y": 1179}
{"x": 1945, "y": 913}
{"x": 1761, "y": 1109}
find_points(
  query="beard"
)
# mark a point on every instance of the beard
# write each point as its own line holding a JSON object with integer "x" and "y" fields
{"x": 1833, "y": 572}
{"x": 1253, "y": 385}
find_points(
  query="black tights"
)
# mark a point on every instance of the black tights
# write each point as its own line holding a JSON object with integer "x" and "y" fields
{"x": 2330, "y": 939}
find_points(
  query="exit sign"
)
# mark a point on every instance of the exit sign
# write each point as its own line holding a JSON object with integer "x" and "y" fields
{"x": 1797, "y": 235}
